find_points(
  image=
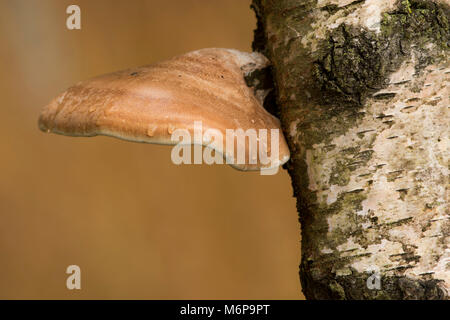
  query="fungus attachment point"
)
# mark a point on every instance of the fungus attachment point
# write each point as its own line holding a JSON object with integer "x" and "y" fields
{"x": 149, "y": 104}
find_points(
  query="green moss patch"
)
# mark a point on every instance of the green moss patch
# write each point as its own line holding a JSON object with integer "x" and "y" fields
{"x": 354, "y": 63}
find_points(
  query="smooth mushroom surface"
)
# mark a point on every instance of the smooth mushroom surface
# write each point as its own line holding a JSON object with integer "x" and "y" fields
{"x": 149, "y": 103}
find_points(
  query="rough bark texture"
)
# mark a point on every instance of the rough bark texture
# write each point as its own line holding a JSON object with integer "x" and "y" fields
{"x": 362, "y": 93}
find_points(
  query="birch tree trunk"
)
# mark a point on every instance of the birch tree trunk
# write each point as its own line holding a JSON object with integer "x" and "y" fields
{"x": 362, "y": 93}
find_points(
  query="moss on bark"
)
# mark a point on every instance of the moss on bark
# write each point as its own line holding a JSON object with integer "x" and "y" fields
{"x": 354, "y": 63}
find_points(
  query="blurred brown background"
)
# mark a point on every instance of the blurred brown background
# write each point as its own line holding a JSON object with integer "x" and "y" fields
{"x": 137, "y": 225}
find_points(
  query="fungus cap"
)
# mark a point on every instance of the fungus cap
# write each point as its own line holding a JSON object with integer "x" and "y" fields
{"x": 147, "y": 104}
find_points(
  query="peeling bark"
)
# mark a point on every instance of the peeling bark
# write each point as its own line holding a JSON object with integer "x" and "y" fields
{"x": 362, "y": 93}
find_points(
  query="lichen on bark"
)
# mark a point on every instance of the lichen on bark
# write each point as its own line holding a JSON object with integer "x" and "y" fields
{"x": 361, "y": 91}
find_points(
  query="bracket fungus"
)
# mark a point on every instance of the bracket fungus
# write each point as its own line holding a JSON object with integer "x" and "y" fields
{"x": 149, "y": 104}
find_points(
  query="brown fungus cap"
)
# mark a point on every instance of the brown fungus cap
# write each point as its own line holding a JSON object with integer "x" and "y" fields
{"x": 149, "y": 103}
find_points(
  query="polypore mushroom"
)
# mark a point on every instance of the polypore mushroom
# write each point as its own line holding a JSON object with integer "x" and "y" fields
{"x": 148, "y": 104}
